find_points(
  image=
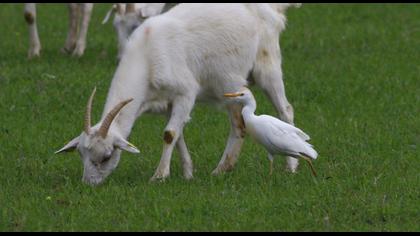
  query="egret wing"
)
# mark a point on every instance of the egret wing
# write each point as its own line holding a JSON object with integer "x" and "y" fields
{"x": 281, "y": 138}
{"x": 282, "y": 126}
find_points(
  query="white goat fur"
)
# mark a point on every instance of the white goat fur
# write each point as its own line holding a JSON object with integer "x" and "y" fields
{"x": 126, "y": 20}
{"x": 75, "y": 43}
{"x": 194, "y": 51}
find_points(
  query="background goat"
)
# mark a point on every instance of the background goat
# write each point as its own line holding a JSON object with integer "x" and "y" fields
{"x": 79, "y": 17}
{"x": 131, "y": 15}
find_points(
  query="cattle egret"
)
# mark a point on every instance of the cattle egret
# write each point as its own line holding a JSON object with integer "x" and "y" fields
{"x": 276, "y": 136}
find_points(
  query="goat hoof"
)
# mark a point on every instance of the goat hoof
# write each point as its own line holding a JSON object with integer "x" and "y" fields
{"x": 77, "y": 54}
{"x": 222, "y": 169}
{"x": 217, "y": 171}
{"x": 78, "y": 51}
{"x": 292, "y": 170}
{"x": 33, "y": 54}
{"x": 188, "y": 176}
{"x": 292, "y": 165}
{"x": 159, "y": 178}
{"x": 65, "y": 50}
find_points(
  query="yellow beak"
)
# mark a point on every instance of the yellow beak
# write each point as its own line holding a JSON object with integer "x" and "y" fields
{"x": 231, "y": 95}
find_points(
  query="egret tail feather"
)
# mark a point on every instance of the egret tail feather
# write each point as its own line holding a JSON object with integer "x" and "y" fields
{"x": 310, "y": 152}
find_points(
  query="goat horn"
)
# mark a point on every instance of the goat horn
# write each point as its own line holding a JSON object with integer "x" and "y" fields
{"x": 130, "y": 8}
{"x": 103, "y": 130}
{"x": 89, "y": 112}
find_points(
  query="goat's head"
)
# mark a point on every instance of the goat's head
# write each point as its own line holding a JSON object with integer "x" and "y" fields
{"x": 99, "y": 147}
{"x": 126, "y": 20}
{"x": 125, "y": 24}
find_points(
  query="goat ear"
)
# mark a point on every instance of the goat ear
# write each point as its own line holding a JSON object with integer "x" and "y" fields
{"x": 141, "y": 14}
{"x": 126, "y": 146}
{"x": 146, "y": 12}
{"x": 70, "y": 146}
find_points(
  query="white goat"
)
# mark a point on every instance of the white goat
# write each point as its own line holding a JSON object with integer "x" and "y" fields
{"x": 75, "y": 44}
{"x": 131, "y": 15}
{"x": 194, "y": 51}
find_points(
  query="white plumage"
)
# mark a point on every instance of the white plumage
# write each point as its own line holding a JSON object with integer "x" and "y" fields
{"x": 276, "y": 136}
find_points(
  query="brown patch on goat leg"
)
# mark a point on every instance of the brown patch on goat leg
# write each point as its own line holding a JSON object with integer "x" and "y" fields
{"x": 168, "y": 136}
{"x": 240, "y": 124}
{"x": 264, "y": 53}
{"x": 29, "y": 18}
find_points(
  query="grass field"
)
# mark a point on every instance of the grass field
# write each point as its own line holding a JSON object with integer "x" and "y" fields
{"x": 352, "y": 73}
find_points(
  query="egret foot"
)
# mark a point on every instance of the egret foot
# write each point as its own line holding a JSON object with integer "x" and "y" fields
{"x": 271, "y": 159}
{"x": 271, "y": 167}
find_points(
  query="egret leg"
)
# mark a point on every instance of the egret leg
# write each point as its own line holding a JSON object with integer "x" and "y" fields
{"x": 271, "y": 159}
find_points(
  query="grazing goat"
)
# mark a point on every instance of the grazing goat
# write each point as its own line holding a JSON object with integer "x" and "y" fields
{"x": 131, "y": 15}
{"x": 75, "y": 43}
{"x": 194, "y": 51}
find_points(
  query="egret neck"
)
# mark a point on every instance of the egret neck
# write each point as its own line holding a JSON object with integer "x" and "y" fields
{"x": 249, "y": 109}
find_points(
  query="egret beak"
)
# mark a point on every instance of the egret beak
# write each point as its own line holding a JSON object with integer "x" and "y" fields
{"x": 232, "y": 95}
{"x": 310, "y": 165}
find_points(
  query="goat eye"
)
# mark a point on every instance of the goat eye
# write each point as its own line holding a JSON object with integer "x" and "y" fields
{"x": 106, "y": 158}
{"x": 133, "y": 28}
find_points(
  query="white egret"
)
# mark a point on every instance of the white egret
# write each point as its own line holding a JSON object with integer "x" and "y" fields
{"x": 276, "y": 136}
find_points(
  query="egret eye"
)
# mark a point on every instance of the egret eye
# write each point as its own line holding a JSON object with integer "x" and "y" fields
{"x": 242, "y": 94}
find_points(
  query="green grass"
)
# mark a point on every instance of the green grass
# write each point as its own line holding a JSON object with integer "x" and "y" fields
{"x": 351, "y": 73}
